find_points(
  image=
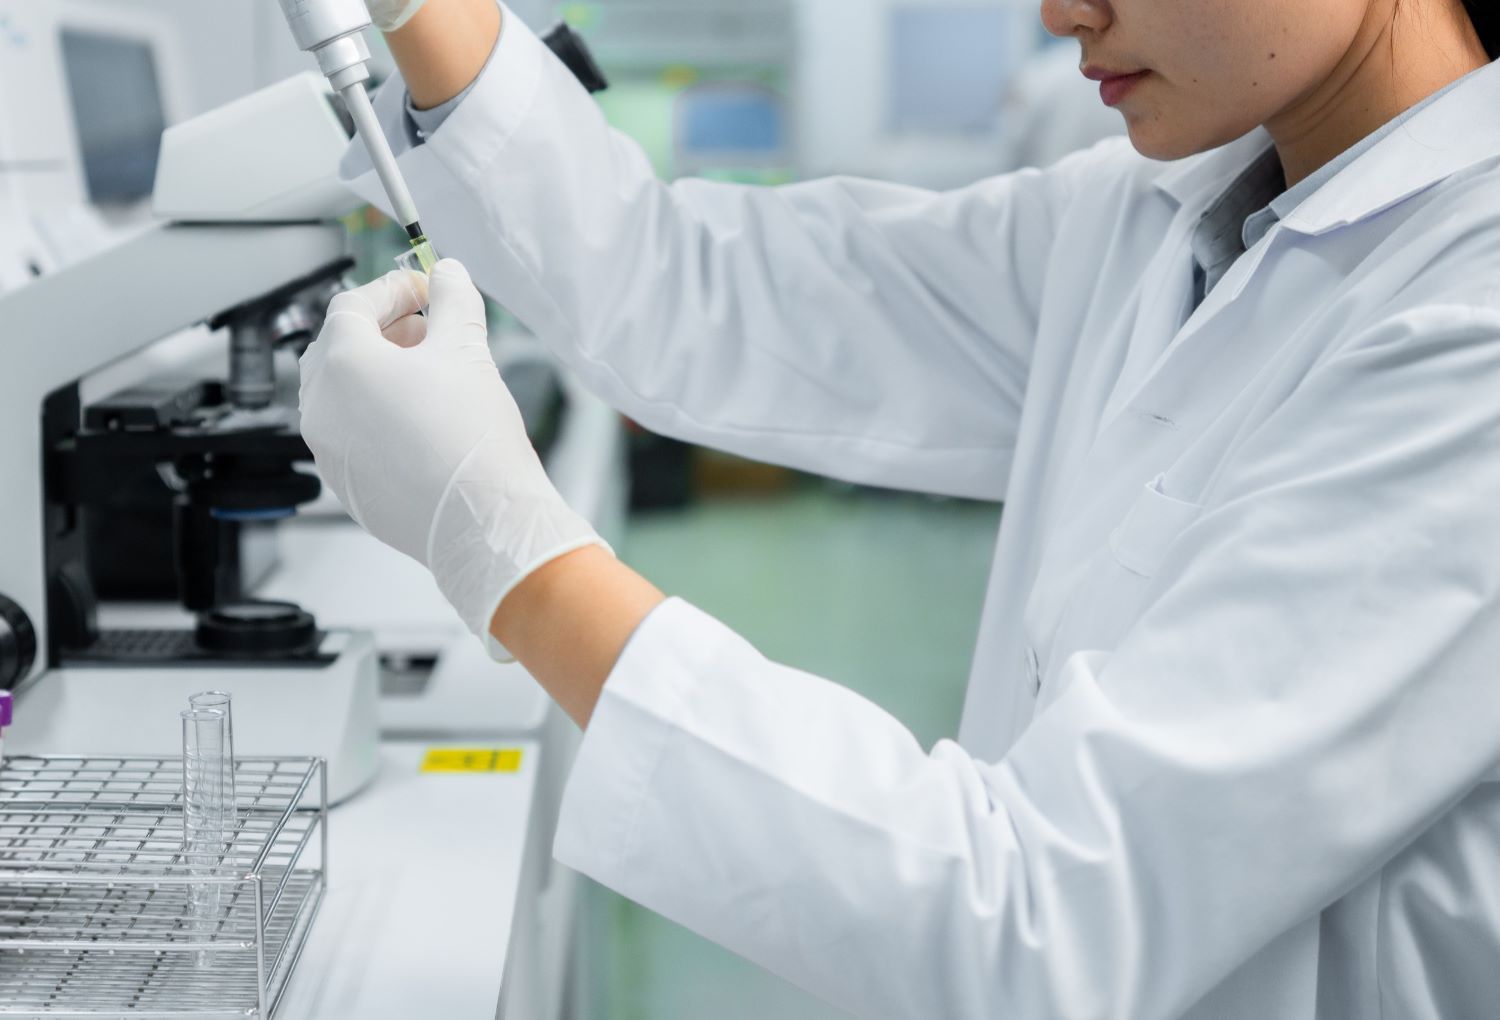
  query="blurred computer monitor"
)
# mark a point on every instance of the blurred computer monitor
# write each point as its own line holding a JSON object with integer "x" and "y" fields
{"x": 732, "y": 130}
{"x": 949, "y": 65}
{"x": 86, "y": 89}
{"x": 115, "y": 94}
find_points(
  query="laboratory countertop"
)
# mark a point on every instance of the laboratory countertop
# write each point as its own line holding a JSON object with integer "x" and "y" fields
{"x": 426, "y": 866}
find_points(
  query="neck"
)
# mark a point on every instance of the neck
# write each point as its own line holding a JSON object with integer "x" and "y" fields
{"x": 1402, "y": 55}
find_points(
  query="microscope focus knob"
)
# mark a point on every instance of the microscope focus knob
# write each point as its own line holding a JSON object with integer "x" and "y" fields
{"x": 17, "y": 644}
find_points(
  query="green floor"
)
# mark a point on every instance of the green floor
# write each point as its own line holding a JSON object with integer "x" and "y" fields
{"x": 879, "y": 592}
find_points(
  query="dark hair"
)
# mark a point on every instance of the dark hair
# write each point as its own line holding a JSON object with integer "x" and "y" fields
{"x": 1486, "y": 17}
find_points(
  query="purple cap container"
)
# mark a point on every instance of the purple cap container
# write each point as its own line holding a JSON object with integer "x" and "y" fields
{"x": 5, "y": 709}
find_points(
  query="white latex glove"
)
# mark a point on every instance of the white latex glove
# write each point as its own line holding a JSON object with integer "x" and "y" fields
{"x": 389, "y": 15}
{"x": 414, "y": 431}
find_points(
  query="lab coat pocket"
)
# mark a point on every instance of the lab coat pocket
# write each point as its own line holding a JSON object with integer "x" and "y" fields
{"x": 1150, "y": 527}
{"x": 1117, "y": 586}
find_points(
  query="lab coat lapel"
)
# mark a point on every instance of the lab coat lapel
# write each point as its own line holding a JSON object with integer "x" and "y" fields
{"x": 1165, "y": 316}
{"x": 1165, "y": 305}
{"x": 1204, "y": 325}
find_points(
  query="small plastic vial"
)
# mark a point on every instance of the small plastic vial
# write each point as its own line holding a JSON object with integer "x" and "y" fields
{"x": 6, "y": 714}
{"x": 412, "y": 266}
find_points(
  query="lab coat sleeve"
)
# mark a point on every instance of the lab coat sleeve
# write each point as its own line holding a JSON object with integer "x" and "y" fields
{"x": 872, "y": 332}
{"x": 1309, "y": 686}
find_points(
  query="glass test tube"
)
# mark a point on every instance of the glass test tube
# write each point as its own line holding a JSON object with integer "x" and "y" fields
{"x": 222, "y": 701}
{"x": 204, "y": 816}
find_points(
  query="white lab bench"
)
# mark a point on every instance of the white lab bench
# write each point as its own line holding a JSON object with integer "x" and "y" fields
{"x": 427, "y": 876}
{"x": 443, "y": 900}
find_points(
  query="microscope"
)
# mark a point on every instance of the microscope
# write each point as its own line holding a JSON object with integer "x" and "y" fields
{"x": 171, "y": 485}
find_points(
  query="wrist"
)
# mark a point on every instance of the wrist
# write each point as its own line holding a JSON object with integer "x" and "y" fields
{"x": 487, "y": 538}
{"x": 569, "y": 620}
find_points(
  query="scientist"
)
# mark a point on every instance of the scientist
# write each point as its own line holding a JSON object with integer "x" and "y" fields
{"x": 1232, "y": 742}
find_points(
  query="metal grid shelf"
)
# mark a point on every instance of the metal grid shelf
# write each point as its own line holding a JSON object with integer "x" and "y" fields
{"x": 96, "y": 917}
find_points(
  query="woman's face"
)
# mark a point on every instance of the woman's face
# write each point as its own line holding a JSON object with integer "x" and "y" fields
{"x": 1206, "y": 72}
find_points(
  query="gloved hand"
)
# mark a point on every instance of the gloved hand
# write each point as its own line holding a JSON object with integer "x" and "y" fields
{"x": 389, "y": 15}
{"x": 414, "y": 431}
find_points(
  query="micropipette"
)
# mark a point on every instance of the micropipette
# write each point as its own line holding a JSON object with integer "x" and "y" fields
{"x": 333, "y": 32}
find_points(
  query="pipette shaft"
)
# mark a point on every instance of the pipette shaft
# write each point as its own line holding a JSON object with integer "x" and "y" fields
{"x": 367, "y": 125}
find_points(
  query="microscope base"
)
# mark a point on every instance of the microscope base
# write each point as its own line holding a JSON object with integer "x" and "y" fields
{"x": 328, "y": 710}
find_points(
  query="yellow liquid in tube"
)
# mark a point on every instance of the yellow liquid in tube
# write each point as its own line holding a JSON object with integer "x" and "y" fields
{"x": 425, "y": 253}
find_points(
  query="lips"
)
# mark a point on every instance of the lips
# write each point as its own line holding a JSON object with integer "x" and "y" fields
{"x": 1114, "y": 86}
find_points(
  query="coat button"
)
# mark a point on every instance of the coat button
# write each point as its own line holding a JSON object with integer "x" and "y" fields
{"x": 1033, "y": 670}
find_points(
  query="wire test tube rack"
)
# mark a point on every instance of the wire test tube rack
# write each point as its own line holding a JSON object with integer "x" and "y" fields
{"x": 98, "y": 916}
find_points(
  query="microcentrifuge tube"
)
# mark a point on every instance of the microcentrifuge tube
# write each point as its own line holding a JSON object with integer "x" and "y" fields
{"x": 411, "y": 266}
{"x": 425, "y": 254}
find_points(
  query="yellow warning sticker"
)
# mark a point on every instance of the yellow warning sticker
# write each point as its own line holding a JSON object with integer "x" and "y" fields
{"x": 472, "y": 759}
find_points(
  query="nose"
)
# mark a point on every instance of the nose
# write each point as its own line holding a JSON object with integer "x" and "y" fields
{"x": 1075, "y": 17}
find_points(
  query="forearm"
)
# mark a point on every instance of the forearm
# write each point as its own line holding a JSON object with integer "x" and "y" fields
{"x": 569, "y": 621}
{"x": 445, "y": 45}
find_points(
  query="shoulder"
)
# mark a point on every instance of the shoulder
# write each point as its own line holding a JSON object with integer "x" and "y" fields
{"x": 1441, "y": 248}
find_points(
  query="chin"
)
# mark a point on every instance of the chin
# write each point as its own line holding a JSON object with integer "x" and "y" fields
{"x": 1158, "y": 136}
{"x": 1153, "y": 139}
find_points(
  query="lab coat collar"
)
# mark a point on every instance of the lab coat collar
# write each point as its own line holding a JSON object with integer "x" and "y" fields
{"x": 1456, "y": 132}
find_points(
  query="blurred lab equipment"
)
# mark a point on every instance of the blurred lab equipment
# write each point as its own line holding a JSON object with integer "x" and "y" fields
{"x": 732, "y": 131}
{"x": 575, "y": 54}
{"x": 85, "y": 93}
{"x": 119, "y": 130}
{"x": 705, "y": 86}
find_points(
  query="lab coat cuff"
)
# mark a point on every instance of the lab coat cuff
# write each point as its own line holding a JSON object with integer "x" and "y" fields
{"x": 499, "y": 101}
{"x": 632, "y": 726}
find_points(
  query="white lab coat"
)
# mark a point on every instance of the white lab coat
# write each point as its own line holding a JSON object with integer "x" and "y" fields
{"x": 1231, "y": 741}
